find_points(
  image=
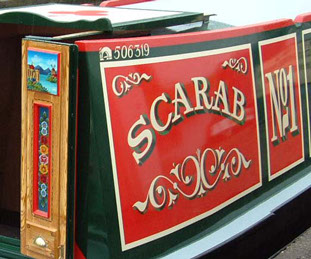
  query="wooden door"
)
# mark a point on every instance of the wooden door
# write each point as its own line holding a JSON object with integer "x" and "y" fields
{"x": 47, "y": 166}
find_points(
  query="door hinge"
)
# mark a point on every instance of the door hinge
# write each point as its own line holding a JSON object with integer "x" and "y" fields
{"x": 61, "y": 252}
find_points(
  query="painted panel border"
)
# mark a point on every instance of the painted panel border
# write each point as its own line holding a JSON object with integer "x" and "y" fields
{"x": 42, "y": 157}
{"x": 304, "y": 33}
{"x": 180, "y": 57}
{"x": 43, "y": 71}
{"x": 276, "y": 97}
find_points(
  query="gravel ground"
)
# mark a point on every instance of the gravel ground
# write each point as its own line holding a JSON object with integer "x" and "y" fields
{"x": 300, "y": 248}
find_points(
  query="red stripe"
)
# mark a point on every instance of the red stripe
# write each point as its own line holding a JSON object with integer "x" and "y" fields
{"x": 303, "y": 18}
{"x": 58, "y": 72}
{"x": 35, "y": 156}
{"x": 78, "y": 253}
{"x": 50, "y": 158}
{"x": 36, "y": 159}
{"x": 184, "y": 38}
{"x": 111, "y": 3}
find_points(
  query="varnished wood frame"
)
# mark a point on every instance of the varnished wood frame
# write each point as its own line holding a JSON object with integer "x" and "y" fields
{"x": 56, "y": 225}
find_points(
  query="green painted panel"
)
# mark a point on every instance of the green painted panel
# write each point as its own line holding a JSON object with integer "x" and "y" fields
{"x": 101, "y": 238}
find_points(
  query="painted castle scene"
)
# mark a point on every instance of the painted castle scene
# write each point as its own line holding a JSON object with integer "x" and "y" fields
{"x": 42, "y": 71}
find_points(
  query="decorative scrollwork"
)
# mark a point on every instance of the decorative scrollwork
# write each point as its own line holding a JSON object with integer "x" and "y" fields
{"x": 122, "y": 84}
{"x": 239, "y": 65}
{"x": 203, "y": 177}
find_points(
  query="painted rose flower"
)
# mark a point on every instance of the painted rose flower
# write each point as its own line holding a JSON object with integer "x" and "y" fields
{"x": 44, "y": 149}
{"x": 43, "y": 178}
{"x": 44, "y": 140}
{"x": 43, "y": 159}
{"x": 43, "y": 169}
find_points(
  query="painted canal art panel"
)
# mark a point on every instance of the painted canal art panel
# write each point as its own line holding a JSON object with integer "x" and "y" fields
{"x": 184, "y": 137}
{"x": 43, "y": 71}
{"x": 280, "y": 79}
{"x": 42, "y": 159}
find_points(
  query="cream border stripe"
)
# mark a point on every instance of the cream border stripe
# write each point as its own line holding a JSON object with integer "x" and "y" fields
{"x": 260, "y": 44}
{"x": 103, "y": 66}
{"x": 304, "y": 32}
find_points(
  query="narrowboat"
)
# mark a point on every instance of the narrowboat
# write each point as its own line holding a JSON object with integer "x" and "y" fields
{"x": 146, "y": 133}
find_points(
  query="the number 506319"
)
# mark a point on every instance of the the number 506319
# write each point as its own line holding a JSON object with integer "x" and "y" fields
{"x": 128, "y": 52}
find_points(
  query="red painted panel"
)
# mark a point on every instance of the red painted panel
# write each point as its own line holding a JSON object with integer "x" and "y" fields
{"x": 111, "y": 3}
{"x": 42, "y": 159}
{"x": 183, "y": 136}
{"x": 280, "y": 77}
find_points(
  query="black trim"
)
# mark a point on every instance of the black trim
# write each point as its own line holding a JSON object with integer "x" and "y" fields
{"x": 72, "y": 151}
{"x": 270, "y": 235}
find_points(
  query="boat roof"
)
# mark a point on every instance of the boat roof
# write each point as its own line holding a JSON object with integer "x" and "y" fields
{"x": 236, "y": 13}
{"x": 96, "y": 18}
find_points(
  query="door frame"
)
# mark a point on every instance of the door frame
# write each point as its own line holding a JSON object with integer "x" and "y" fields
{"x": 67, "y": 200}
